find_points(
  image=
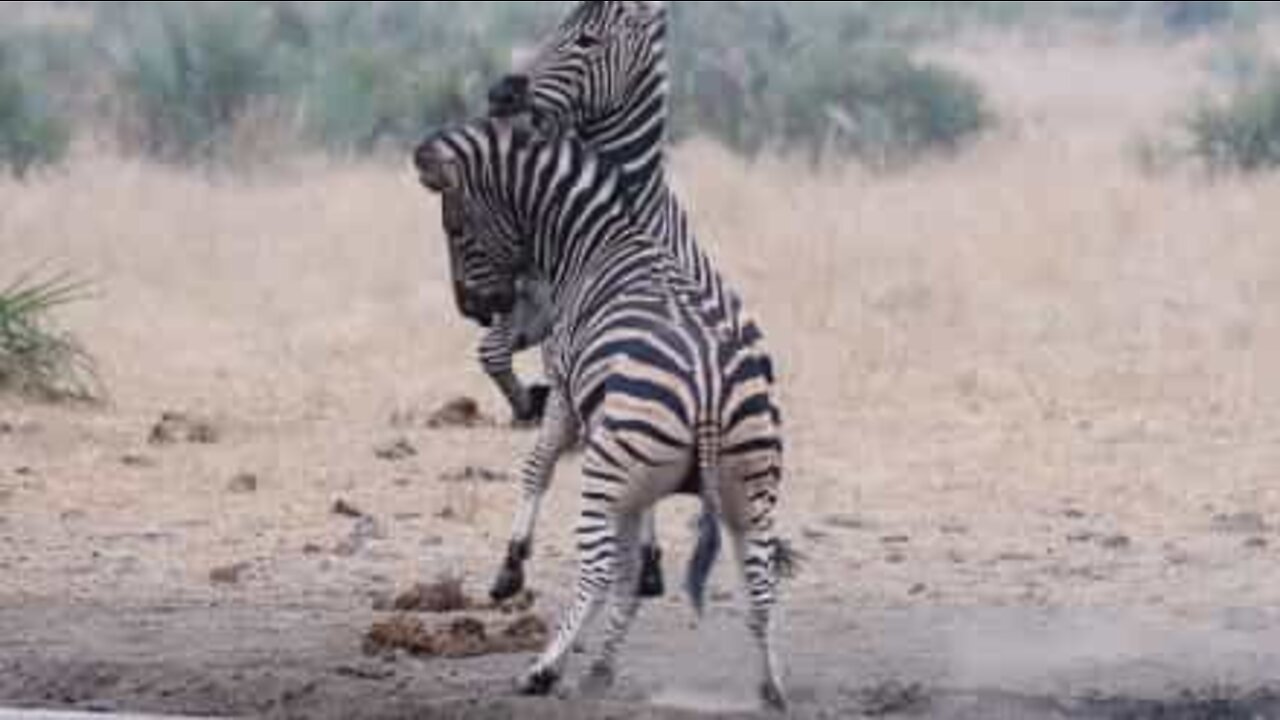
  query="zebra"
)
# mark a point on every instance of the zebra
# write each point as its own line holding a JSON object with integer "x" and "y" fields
{"x": 668, "y": 398}
{"x": 602, "y": 76}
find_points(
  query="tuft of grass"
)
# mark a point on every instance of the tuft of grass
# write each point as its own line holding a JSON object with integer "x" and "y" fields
{"x": 35, "y": 359}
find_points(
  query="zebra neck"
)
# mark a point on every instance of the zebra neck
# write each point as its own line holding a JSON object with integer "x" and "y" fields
{"x": 587, "y": 276}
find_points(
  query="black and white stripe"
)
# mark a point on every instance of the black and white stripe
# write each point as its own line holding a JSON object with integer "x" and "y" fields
{"x": 666, "y": 396}
{"x": 603, "y": 77}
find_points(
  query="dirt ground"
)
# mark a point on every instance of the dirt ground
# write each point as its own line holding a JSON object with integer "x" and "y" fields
{"x": 1033, "y": 420}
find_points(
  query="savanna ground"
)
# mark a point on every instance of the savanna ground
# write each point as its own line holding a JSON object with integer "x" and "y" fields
{"x": 1033, "y": 419}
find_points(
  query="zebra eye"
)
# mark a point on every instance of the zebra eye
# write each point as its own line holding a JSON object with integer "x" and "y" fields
{"x": 587, "y": 41}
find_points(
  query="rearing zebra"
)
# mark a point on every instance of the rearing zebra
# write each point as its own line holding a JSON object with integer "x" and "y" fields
{"x": 603, "y": 77}
{"x": 667, "y": 397}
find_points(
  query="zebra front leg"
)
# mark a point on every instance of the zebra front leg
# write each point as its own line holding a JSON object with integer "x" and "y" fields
{"x": 556, "y": 435}
{"x": 598, "y": 548}
{"x": 497, "y": 348}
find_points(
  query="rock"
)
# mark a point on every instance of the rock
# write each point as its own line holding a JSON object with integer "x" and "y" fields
{"x": 846, "y": 522}
{"x": 140, "y": 462}
{"x": 1245, "y": 523}
{"x": 475, "y": 474}
{"x": 312, "y": 549}
{"x": 174, "y": 428}
{"x": 396, "y": 451}
{"x": 896, "y": 540}
{"x": 1257, "y": 543}
{"x": 229, "y": 574}
{"x": 243, "y": 484}
{"x": 345, "y": 509}
{"x": 918, "y": 589}
{"x": 1116, "y": 542}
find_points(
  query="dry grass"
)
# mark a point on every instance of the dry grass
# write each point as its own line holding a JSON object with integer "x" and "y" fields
{"x": 968, "y": 348}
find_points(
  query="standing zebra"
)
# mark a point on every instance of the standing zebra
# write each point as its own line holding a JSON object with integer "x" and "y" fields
{"x": 603, "y": 77}
{"x": 667, "y": 397}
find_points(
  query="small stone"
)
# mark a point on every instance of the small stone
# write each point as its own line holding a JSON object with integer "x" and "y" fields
{"x": 396, "y": 451}
{"x": 448, "y": 513}
{"x": 6, "y": 428}
{"x": 845, "y": 522}
{"x": 24, "y": 471}
{"x": 895, "y": 558}
{"x": 815, "y": 535}
{"x": 896, "y": 540}
{"x": 140, "y": 462}
{"x": 1257, "y": 543}
{"x": 346, "y": 509}
{"x": 229, "y": 575}
{"x": 243, "y": 484}
{"x": 918, "y": 589}
{"x": 1074, "y": 514}
{"x": 1246, "y": 523}
{"x": 1116, "y": 542}
{"x": 312, "y": 549}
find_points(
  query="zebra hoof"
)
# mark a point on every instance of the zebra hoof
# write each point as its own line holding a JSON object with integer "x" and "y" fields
{"x": 651, "y": 582}
{"x": 509, "y": 583}
{"x": 773, "y": 698}
{"x": 537, "y": 407}
{"x": 538, "y": 683}
{"x": 598, "y": 681}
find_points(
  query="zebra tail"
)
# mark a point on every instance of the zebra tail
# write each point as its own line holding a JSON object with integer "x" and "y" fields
{"x": 707, "y": 549}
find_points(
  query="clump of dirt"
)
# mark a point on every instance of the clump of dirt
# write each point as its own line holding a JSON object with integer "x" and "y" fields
{"x": 893, "y": 699}
{"x": 464, "y": 637}
{"x": 396, "y": 451}
{"x": 243, "y": 484}
{"x": 401, "y": 632}
{"x": 446, "y": 595}
{"x": 461, "y": 412}
{"x": 474, "y": 474}
{"x": 174, "y": 428}
{"x": 345, "y": 509}
{"x": 229, "y": 575}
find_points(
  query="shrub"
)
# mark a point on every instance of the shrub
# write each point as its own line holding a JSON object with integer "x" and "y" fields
{"x": 30, "y": 136}
{"x": 34, "y": 359}
{"x": 190, "y": 70}
{"x": 812, "y": 79}
{"x": 1242, "y": 132}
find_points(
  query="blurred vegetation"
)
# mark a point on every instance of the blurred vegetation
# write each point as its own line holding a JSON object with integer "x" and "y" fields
{"x": 30, "y": 135}
{"x": 183, "y": 81}
{"x": 1241, "y": 132}
{"x": 36, "y": 360}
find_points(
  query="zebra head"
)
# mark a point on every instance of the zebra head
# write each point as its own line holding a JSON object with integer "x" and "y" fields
{"x": 486, "y": 255}
{"x": 510, "y": 195}
{"x": 605, "y": 64}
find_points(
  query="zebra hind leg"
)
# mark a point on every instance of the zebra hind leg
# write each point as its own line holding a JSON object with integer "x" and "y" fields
{"x": 651, "y": 584}
{"x": 624, "y": 604}
{"x": 597, "y": 550}
{"x": 755, "y": 550}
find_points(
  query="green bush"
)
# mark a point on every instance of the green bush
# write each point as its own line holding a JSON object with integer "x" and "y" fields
{"x": 30, "y": 136}
{"x": 34, "y": 359}
{"x": 1243, "y": 132}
